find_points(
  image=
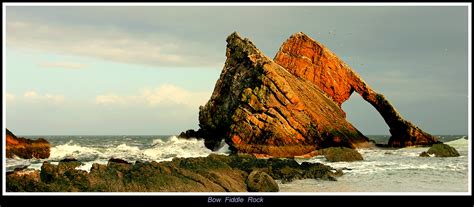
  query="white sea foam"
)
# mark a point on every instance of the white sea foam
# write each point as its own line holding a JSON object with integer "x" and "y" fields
{"x": 12, "y": 163}
{"x": 158, "y": 150}
{"x": 72, "y": 150}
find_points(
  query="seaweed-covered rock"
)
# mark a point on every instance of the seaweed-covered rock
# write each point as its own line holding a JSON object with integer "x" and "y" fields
{"x": 259, "y": 181}
{"x": 214, "y": 173}
{"x": 258, "y": 107}
{"x": 341, "y": 154}
{"x": 443, "y": 150}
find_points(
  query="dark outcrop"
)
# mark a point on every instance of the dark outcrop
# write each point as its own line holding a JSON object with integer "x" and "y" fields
{"x": 26, "y": 148}
{"x": 191, "y": 133}
{"x": 258, "y": 107}
{"x": 308, "y": 59}
{"x": 215, "y": 173}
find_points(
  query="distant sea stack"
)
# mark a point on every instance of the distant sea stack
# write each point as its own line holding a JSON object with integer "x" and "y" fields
{"x": 26, "y": 148}
{"x": 308, "y": 59}
{"x": 258, "y": 107}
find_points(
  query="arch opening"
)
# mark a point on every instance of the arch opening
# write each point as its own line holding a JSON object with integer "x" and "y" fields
{"x": 365, "y": 118}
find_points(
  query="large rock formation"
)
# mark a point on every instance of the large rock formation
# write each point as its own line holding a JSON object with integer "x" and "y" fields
{"x": 259, "y": 107}
{"x": 308, "y": 59}
{"x": 26, "y": 148}
{"x": 215, "y": 173}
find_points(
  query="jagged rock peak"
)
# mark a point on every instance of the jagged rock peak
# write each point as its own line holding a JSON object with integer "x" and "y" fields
{"x": 259, "y": 107}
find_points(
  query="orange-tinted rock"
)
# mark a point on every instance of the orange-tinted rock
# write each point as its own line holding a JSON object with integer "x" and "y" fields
{"x": 259, "y": 107}
{"x": 26, "y": 148}
{"x": 310, "y": 60}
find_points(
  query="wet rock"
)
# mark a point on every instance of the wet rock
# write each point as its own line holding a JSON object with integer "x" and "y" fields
{"x": 258, "y": 107}
{"x": 26, "y": 148}
{"x": 259, "y": 181}
{"x": 424, "y": 154}
{"x": 215, "y": 173}
{"x": 191, "y": 133}
{"x": 341, "y": 154}
{"x": 443, "y": 150}
{"x": 306, "y": 58}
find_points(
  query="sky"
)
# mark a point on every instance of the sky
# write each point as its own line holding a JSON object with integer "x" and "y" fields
{"x": 145, "y": 70}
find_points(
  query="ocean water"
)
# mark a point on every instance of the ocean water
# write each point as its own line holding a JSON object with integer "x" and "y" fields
{"x": 382, "y": 170}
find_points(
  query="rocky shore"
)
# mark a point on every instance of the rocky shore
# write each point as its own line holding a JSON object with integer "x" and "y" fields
{"x": 215, "y": 173}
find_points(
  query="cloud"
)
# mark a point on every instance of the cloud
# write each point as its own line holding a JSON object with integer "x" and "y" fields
{"x": 109, "y": 43}
{"x": 166, "y": 94}
{"x": 66, "y": 65}
{"x": 33, "y": 96}
{"x": 112, "y": 99}
{"x": 9, "y": 97}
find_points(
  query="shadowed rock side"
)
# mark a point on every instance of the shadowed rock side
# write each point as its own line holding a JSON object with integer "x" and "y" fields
{"x": 308, "y": 59}
{"x": 26, "y": 148}
{"x": 258, "y": 107}
{"x": 215, "y": 173}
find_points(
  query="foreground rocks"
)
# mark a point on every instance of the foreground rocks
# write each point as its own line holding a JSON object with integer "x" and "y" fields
{"x": 215, "y": 173}
{"x": 441, "y": 150}
{"x": 258, "y": 107}
{"x": 308, "y": 59}
{"x": 26, "y": 148}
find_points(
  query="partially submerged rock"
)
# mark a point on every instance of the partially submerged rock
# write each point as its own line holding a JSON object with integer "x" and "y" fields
{"x": 26, "y": 148}
{"x": 215, "y": 173}
{"x": 258, "y": 107}
{"x": 424, "y": 154}
{"x": 308, "y": 59}
{"x": 442, "y": 150}
{"x": 191, "y": 133}
{"x": 341, "y": 154}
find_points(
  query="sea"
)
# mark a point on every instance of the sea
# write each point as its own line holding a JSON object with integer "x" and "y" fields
{"x": 382, "y": 170}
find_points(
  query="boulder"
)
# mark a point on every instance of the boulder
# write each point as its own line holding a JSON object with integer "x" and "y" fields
{"x": 341, "y": 154}
{"x": 443, "y": 150}
{"x": 26, "y": 148}
{"x": 258, "y": 107}
{"x": 306, "y": 58}
{"x": 259, "y": 181}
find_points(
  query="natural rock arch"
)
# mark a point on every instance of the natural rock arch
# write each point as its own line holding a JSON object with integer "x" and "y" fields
{"x": 308, "y": 59}
{"x": 366, "y": 118}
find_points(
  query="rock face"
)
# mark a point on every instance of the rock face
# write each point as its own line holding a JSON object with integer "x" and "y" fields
{"x": 442, "y": 150}
{"x": 308, "y": 59}
{"x": 26, "y": 148}
{"x": 215, "y": 173}
{"x": 258, "y": 107}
